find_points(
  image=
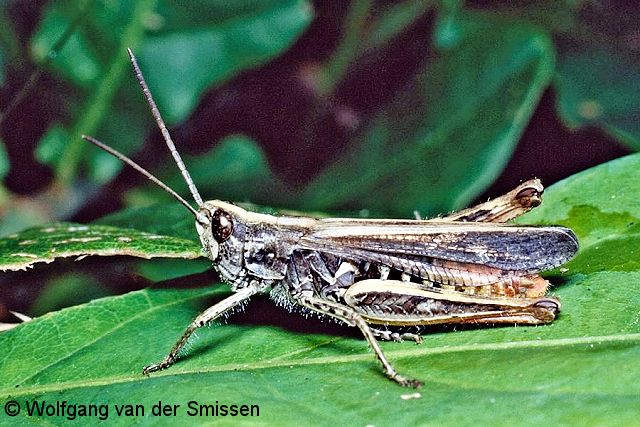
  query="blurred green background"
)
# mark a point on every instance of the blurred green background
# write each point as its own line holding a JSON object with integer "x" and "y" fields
{"x": 361, "y": 107}
{"x": 389, "y": 106}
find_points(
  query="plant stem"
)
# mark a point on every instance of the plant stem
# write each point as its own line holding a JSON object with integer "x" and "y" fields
{"x": 99, "y": 102}
{"x": 12, "y": 47}
{"x": 335, "y": 69}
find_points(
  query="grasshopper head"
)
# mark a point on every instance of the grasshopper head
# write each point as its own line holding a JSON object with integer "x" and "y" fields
{"x": 222, "y": 228}
{"x": 220, "y": 225}
{"x": 242, "y": 243}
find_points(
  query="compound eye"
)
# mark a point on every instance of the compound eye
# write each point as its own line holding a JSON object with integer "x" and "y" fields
{"x": 221, "y": 225}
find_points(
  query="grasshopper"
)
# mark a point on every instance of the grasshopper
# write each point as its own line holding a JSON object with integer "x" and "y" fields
{"x": 465, "y": 268}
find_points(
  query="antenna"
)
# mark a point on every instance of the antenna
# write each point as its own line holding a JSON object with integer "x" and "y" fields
{"x": 146, "y": 173}
{"x": 163, "y": 129}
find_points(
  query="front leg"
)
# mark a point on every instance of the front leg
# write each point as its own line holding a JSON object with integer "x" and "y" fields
{"x": 205, "y": 317}
{"x": 351, "y": 318}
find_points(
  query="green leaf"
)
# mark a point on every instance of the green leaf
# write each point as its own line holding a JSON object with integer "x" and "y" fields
{"x": 601, "y": 206}
{"x": 76, "y": 60}
{"x": 582, "y": 366}
{"x": 605, "y": 96}
{"x": 126, "y": 32}
{"x": 394, "y": 19}
{"x": 182, "y": 60}
{"x": 52, "y": 144}
{"x": 166, "y": 219}
{"x": 44, "y": 244}
{"x": 597, "y": 71}
{"x": 574, "y": 368}
{"x": 184, "y": 49}
{"x": 69, "y": 289}
{"x": 475, "y": 98}
{"x": 598, "y": 68}
{"x": 235, "y": 169}
{"x": 4, "y": 160}
{"x": 160, "y": 269}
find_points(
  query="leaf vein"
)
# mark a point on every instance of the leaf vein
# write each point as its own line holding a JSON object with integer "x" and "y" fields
{"x": 57, "y": 387}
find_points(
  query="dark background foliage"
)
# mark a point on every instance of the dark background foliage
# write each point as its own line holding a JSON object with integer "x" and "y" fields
{"x": 301, "y": 119}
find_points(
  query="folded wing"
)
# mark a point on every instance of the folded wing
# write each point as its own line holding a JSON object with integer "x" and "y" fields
{"x": 405, "y": 243}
